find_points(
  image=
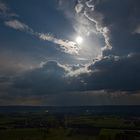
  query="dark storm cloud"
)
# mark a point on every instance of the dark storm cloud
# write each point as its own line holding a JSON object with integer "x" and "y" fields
{"x": 48, "y": 78}
{"x": 51, "y": 78}
{"x": 99, "y": 97}
{"x": 117, "y": 69}
{"x": 110, "y": 73}
{"x": 74, "y": 99}
{"x": 116, "y": 73}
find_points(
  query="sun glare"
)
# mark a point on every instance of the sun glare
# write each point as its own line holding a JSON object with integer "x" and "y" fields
{"x": 79, "y": 40}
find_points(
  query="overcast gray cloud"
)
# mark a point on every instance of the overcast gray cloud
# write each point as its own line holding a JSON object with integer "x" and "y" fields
{"x": 53, "y": 77}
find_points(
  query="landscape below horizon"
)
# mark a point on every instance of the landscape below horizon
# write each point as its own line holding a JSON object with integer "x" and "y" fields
{"x": 70, "y": 123}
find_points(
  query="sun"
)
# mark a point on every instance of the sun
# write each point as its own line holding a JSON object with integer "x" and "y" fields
{"x": 79, "y": 40}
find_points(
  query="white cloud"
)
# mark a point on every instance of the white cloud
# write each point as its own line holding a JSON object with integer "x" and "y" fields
{"x": 67, "y": 46}
{"x": 89, "y": 8}
{"x": 77, "y": 72}
{"x": 103, "y": 30}
{"x": 82, "y": 25}
{"x": 17, "y": 25}
{"x": 90, "y": 5}
{"x": 79, "y": 7}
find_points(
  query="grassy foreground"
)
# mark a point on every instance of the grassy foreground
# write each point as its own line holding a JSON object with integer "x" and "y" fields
{"x": 68, "y": 127}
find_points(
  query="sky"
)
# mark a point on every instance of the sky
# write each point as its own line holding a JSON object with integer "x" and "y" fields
{"x": 69, "y": 52}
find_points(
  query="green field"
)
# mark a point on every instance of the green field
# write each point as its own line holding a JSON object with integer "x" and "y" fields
{"x": 53, "y": 127}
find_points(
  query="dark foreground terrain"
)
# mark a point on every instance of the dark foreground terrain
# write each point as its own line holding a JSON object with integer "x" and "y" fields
{"x": 62, "y": 125}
